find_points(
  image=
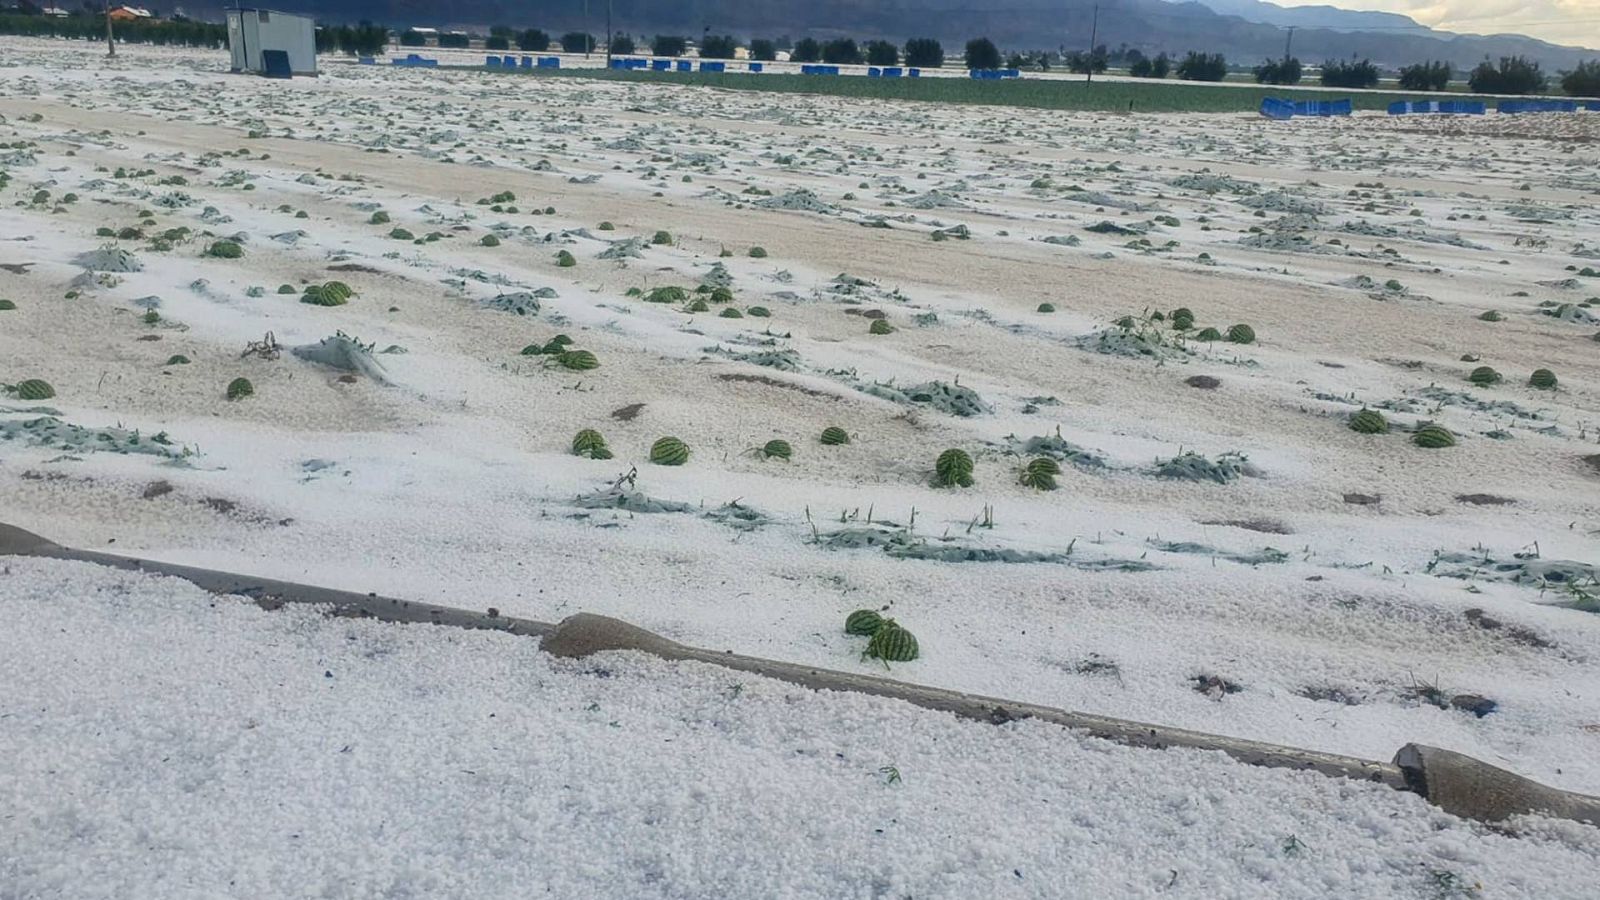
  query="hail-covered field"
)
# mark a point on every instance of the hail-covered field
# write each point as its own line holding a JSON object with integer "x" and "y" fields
{"x": 1278, "y": 430}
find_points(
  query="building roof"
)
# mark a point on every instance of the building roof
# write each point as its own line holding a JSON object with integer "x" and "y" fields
{"x": 136, "y": 12}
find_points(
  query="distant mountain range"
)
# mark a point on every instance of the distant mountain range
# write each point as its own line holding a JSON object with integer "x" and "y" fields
{"x": 1314, "y": 16}
{"x": 1245, "y": 30}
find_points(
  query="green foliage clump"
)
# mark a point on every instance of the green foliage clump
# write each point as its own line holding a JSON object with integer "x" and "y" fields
{"x": 721, "y": 295}
{"x": 1241, "y": 334}
{"x": 34, "y": 389}
{"x": 1543, "y": 379}
{"x": 731, "y": 312}
{"x": 401, "y": 234}
{"x": 1369, "y": 421}
{"x": 669, "y": 451}
{"x": 953, "y": 469}
{"x": 863, "y": 622}
{"x": 698, "y": 306}
{"x": 833, "y": 436}
{"x": 758, "y": 253}
{"x": 379, "y": 218}
{"x": 662, "y": 238}
{"x": 1182, "y": 318}
{"x": 239, "y": 388}
{"x": 7, "y": 305}
{"x": 577, "y": 360}
{"x": 670, "y": 293}
{"x": 225, "y": 250}
{"x": 502, "y": 197}
{"x": 1491, "y": 316}
{"x": 760, "y": 312}
{"x": 1514, "y": 75}
{"x": 287, "y": 289}
{"x": 777, "y": 449}
{"x": 607, "y": 226}
{"x": 892, "y": 643}
{"x": 177, "y": 359}
{"x": 566, "y": 260}
{"x": 880, "y": 326}
{"x": 1433, "y": 437}
{"x": 1484, "y": 376}
{"x": 589, "y": 443}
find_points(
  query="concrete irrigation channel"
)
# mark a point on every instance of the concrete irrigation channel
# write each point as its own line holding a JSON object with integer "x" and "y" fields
{"x": 1456, "y": 783}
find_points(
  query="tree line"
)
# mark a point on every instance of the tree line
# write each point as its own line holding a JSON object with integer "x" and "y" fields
{"x": 179, "y": 32}
{"x": 1511, "y": 75}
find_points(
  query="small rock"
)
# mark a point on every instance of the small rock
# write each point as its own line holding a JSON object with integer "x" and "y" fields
{"x": 1476, "y": 704}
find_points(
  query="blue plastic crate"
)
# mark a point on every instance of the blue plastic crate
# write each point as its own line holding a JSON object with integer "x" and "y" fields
{"x": 1273, "y": 108}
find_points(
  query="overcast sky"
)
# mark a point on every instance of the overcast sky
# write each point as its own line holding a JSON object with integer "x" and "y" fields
{"x": 1561, "y": 21}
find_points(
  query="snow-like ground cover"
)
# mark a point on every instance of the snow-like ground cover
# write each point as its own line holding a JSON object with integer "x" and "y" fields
{"x": 1328, "y": 589}
{"x": 162, "y": 743}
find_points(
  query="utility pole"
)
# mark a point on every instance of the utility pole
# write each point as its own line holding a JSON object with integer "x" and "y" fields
{"x": 588, "y": 39}
{"x": 1287, "y": 43}
{"x": 1094, "y": 32}
{"x": 609, "y": 34}
{"x": 111, "y": 44}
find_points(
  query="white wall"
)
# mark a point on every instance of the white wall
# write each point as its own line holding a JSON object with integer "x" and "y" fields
{"x": 260, "y": 30}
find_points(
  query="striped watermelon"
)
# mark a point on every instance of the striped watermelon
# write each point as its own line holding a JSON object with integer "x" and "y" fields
{"x": 891, "y": 643}
{"x": 35, "y": 389}
{"x": 589, "y": 443}
{"x": 864, "y": 622}
{"x": 669, "y": 451}
{"x": 1369, "y": 421}
{"x": 953, "y": 469}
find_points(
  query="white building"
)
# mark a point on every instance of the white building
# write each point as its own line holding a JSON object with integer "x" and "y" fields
{"x": 272, "y": 43}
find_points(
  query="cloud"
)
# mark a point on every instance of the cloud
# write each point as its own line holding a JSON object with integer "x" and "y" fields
{"x": 1559, "y": 21}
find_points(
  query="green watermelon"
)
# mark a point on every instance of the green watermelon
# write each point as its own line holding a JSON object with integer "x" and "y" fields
{"x": 588, "y": 442}
{"x": 35, "y": 389}
{"x": 577, "y": 360}
{"x": 1369, "y": 421}
{"x": 864, "y": 622}
{"x": 953, "y": 469}
{"x": 1483, "y": 376}
{"x": 1433, "y": 437}
{"x": 892, "y": 643}
{"x": 669, "y": 451}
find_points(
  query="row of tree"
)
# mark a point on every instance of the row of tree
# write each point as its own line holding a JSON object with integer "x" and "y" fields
{"x": 1512, "y": 75}
{"x": 180, "y": 32}
{"x": 365, "y": 39}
